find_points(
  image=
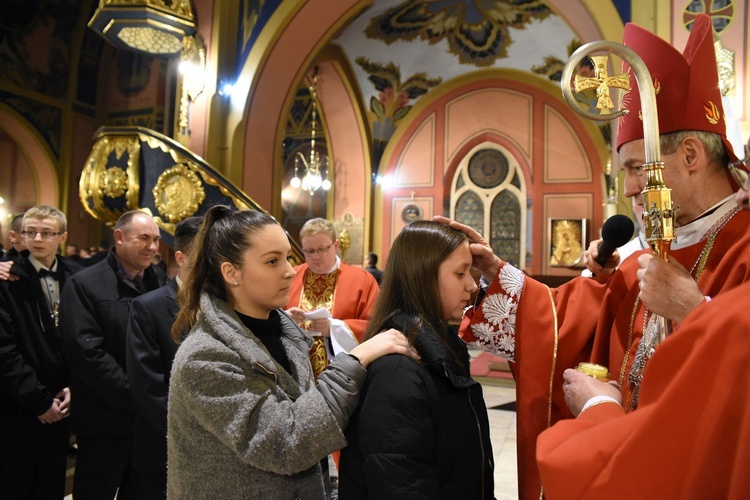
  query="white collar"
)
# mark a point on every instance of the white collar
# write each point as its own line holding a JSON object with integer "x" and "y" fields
{"x": 693, "y": 232}
{"x": 38, "y": 265}
{"x": 336, "y": 265}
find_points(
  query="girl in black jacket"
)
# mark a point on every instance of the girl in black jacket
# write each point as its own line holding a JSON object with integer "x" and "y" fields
{"x": 421, "y": 429}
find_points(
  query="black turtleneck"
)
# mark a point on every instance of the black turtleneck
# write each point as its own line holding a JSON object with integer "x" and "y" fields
{"x": 268, "y": 332}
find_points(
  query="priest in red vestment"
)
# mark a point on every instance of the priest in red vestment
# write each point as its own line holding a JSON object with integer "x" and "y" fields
{"x": 348, "y": 293}
{"x": 544, "y": 331}
{"x": 689, "y": 438}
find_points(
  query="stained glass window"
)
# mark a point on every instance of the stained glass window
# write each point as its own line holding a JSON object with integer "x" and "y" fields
{"x": 505, "y": 234}
{"x": 470, "y": 211}
{"x": 489, "y": 193}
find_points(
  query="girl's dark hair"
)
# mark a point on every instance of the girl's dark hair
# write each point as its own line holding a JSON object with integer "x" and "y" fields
{"x": 224, "y": 236}
{"x": 410, "y": 284}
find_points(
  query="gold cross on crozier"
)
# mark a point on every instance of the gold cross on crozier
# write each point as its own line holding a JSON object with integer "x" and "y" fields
{"x": 601, "y": 82}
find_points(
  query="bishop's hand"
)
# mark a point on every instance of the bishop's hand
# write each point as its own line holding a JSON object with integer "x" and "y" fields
{"x": 579, "y": 388}
{"x": 667, "y": 288}
{"x": 483, "y": 258}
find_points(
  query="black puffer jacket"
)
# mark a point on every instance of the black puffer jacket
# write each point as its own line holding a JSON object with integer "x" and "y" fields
{"x": 421, "y": 429}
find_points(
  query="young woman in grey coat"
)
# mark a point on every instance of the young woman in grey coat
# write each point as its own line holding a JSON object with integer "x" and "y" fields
{"x": 246, "y": 417}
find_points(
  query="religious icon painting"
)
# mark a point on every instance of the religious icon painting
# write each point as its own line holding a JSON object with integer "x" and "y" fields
{"x": 567, "y": 239}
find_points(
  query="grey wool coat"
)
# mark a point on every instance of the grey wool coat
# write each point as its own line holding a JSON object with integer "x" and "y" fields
{"x": 239, "y": 426}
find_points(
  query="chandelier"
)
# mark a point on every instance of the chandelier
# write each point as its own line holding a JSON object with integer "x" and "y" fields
{"x": 315, "y": 166}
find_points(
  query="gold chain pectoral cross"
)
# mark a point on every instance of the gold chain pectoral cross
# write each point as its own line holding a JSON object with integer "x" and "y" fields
{"x": 601, "y": 82}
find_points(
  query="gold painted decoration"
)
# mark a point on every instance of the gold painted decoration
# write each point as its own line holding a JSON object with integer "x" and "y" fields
{"x": 178, "y": 193}
{"x": 113, "y": 182}
{"x": 602, "y": 83}
{"x": 100, "y": 181}
{"x": 345, "y": 241}
{"x": 153, "y": 27}
{"x": 149, "y": 40}
{"x": 180, "y": 181}
{"x": 180, "y": 7}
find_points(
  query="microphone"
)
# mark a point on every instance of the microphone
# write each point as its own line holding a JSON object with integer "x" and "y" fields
{"x": 616, "y": 231}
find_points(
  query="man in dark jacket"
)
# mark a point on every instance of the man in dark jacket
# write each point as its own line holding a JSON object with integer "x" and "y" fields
{"x": 94, "y": 318}
{"x": 371, "y": 266}
{"x": 17, "y": 242}
{"x": 150, "y": 351}
{"x": 17, "y": 245}
{"x": 34, "y": 393}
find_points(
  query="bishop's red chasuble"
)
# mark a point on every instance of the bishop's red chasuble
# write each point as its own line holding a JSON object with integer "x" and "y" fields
{"x": 690, "y": 434}
{"x": 543, "y": 331}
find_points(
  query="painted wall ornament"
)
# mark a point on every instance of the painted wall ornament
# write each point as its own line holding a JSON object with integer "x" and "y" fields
{"x": 109, "y": 184}
{"x": 178, "y": 193}
{"x": 113, "y": 182}
{"x": 392, "y": 103}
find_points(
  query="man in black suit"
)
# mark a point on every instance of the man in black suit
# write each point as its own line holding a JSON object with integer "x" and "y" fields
{"x": 17, "y": 242}
{"x": 150, "y": 351}
{"x": 95, "y": 306}
{"x": 17, "y": 245}
{"x": 34, "y": 394}
{"x": 371, "y": 266}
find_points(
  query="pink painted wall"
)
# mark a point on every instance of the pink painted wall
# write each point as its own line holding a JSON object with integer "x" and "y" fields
{"x": 36, "y": 161}
{"x": 199, "y": 109}
{"x": 528, "y": 118}
{"x": 346, "y": 146}
{"x": 274, "y": 83}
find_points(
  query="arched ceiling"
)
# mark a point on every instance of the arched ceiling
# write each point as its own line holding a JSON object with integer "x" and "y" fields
{"x": 438, "y": 41}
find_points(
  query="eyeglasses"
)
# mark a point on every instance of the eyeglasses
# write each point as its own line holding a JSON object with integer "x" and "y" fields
{"x": 741, "y": 177}
{"x": 31, "y": 235}
{"x": 320, "y": 251}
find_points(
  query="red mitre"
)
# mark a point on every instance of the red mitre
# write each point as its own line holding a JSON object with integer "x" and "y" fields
{"x": 686, "y": 85}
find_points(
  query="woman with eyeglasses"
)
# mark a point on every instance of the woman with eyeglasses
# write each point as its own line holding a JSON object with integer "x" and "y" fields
{"x": 246, "y": 417}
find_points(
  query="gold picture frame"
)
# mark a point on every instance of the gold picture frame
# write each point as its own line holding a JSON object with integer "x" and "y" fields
{"x": 567, "y": 242}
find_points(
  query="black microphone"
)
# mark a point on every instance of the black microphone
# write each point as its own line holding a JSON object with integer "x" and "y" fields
{"x": 616, "y": 231}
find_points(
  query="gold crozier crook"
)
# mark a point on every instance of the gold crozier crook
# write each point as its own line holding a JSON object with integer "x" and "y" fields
{"x": 659, "y": 212}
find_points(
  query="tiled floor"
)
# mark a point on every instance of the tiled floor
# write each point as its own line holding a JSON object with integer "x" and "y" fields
{"x": 503, "y": 435}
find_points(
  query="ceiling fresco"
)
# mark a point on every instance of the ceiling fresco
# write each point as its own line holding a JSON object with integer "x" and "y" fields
{"x": 399, "y": 50}
{"x": 441, "y": 40}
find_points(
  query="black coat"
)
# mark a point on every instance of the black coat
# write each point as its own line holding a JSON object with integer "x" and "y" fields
{"x": 11, "y": 254}
{"x": 376, "y": 273}
{"x": 94, "y": 310}
{"x": 421, "y": 429}
{"x": 32, "y": 367}
{"x": 150, "y": 351}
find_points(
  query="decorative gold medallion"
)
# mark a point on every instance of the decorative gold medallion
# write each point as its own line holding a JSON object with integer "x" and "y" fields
{"x": 178, "y": 193}
{"x": 113, "y": 182}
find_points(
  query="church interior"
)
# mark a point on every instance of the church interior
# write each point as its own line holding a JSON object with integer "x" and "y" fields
{"x": 369, "y": 113}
